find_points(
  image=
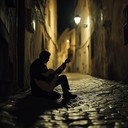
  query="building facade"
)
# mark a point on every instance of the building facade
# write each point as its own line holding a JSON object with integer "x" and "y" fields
{"x": 27, "y": 27}
{"x": 66, "y": 49}
{"x": 101, "y": 38}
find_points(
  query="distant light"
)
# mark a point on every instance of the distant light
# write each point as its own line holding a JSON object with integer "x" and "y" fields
{"x": 88, "y": 22}
{"x": 77, "y": 19}
{"x": 34, "y": 24}
{"x": 67, "y": 41}
{"x": 101, "y": 15}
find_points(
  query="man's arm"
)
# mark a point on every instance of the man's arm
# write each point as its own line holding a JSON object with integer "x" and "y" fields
{"x": 61, "y": 68}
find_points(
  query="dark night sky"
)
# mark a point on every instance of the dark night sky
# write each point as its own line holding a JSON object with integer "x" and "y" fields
{"x": 65, "y": 14}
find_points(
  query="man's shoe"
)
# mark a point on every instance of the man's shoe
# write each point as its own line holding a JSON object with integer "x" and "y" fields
{"x": 68, "y": 95}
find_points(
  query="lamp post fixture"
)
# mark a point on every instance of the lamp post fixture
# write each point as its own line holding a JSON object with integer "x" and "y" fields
{"x": 77, "y": 19}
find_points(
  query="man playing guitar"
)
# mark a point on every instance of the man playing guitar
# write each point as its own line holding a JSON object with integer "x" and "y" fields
{"x": 44, "y": 80}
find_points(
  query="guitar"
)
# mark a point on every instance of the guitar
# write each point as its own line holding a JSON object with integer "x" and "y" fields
{"x": 52, "y": 76}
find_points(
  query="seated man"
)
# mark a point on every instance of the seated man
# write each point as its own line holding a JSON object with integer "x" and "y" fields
{"x": 44, "y": 80}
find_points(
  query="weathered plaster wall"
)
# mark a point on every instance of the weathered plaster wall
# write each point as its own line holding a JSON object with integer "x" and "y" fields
{"x": 110, "y": 54}
{"x": 44, "y": 37}
{"x": 33, "y": 46}
{"x": 8, "y": 51}
{"x": 20, "y": 44}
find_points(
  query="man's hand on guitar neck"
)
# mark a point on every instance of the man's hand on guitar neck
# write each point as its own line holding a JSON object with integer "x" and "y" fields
{"x": 62, "y": 67}
{"x": 67, "y": 61}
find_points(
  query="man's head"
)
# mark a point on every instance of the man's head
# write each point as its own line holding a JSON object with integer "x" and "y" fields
{"x": 44, "y": 56}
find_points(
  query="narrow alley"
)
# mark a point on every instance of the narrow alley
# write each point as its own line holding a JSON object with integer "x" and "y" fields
{"x": 92, "y": 35}
{"x": 100, "y": 104}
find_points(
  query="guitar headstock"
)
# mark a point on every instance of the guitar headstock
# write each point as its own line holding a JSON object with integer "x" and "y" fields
{"x": 67, "y": 60}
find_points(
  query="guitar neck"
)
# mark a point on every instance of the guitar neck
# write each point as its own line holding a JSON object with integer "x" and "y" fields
{"x": 62, "y": 67}
{"x": 58, "y": 70}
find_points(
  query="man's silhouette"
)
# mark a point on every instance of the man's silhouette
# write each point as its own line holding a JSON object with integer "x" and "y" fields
{"x": 44, "y": 80}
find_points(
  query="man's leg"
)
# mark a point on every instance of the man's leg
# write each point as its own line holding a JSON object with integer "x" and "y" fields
{"x": 63, "y": 81}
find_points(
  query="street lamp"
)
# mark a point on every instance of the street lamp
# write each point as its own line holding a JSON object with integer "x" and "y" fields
{"x": 77, "y": 19}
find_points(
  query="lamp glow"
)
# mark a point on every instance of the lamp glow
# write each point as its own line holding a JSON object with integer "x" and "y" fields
{"x": 77, "y": 19}
{"x": 34, "y": 24}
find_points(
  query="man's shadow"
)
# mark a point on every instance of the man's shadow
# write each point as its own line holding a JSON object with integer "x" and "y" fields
{"x": 29, "y": 108}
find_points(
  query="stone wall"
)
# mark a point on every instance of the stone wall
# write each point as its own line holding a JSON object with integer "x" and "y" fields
{"x": 24, "y": 33}
{"x": 110, "y": 52}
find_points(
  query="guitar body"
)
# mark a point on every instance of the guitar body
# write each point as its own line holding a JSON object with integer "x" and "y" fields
{"x": 50, "y": 74}
{"x": 52, "y": 77}
{"x": 45, "y": 85}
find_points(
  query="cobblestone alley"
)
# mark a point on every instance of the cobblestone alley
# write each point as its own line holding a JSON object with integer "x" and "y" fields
{"x": 100, "y": 104}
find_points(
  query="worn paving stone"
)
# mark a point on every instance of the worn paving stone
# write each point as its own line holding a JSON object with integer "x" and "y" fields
{"x": 100, "y": 104}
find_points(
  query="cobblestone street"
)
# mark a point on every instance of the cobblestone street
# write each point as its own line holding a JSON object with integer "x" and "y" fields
{"x": 100, "y": 104}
